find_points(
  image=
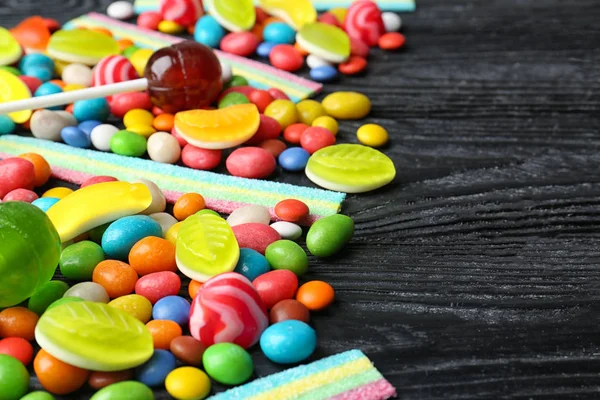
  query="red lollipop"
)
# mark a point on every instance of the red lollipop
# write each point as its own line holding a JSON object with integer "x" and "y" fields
{"x": 363, "y": 22}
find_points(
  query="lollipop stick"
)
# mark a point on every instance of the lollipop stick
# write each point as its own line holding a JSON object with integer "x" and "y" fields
{"x": 60, "y": 99}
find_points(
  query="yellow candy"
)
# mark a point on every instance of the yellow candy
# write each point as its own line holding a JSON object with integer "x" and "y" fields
{"x": 59, "y": 66}
{"x": 138, "y": 116}
{"x": 284, "y": 111}
{"x": 173, "y": 233}
{"x": 170, "y": 27}
{"x": 139, "y": 59}
{"x": 142, "y": 130}
{"x": 11, "y": 89}
{"x": 328, "y": 123}
{"x": 58, "y": 192}
{"x": 339, "y": 13}
{"x": 187, "y": 383}
{"x": 372, "y": 135}
{"x": 347, "y": 105}
{"x": 309, "y": 110}
{"x": 135, "y": 305}
{"x": 73, "y": 86}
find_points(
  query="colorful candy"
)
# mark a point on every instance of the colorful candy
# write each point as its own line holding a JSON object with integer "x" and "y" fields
{"x": 286, "y": 57}
{"x": 135, "y": 305}
{"x": 18, "y": 348}
{"x": 120, "y": 236}
{"x": 252, "y": 264}
{"x": 126, "y": 389}
{"x": 14, "y": 378}
{"x": 315, "y": 295}
{"x": 172, "y": 308}
{"x": 329, "y": 235}
{"x": 157, "y": 285}
{"x": 364, "y": 22}
{"x": 163, "y": 332}
{"x": 228, "y": 363}
{"x": 188, "y": 205}
{"x": 51, "y": 373}
{"x": 89, "y": 291}
{"x": 287, "y": 230}
{"x": 154, "y": 371}
{"x": 275, "y": 286}
{"x": 116, "y": 277}
{"x": 46, "y": 295}
{"x": 100, "y": 379}
{"x": 152, "y": 254}
{"x": 251, "y": 162}
{"x": 18, "y": 322}
{"x": 186, "y": 383}
{"x": 288, "y": 342}
{"x": 255, "y": 236}
{"x": 188, "y": 350}
{"x": 289, "y": 309}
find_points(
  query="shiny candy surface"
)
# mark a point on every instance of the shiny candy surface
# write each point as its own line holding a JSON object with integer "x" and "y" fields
{"x": 309, "y": 110}
{"x": 116, "y": 277}
{"x": 51, "y": 371}
{"x": 135, "y": 305}
{"x": 240, "y": 43}
{"x": 152, "y": 254}
{"x": 172, "y": 308}
{"x": 347, "y": 105}
{"x": 275, "y": 286}
{"x": 289, "y": 309}
{"x": 364, "y": 22}
{"x": 291, "y": 210}
{"x": 186, "y": 383}
{"x": 81, "y": 46}
{"x": 123, "y": 234}
{"x": 18, "y": 322}
{"x": 228, "y": 363}
{"x": 372, "y": 135}
{"x": 157, "y": 285}
{"x": 77, "y": 261}
{"x": 252, "y": 264}
{"x": 162, "y": 147}
{"x": 255, "y": 236}
{"x": 46, "y": 295}
{"x": 329, "y": 235}
{"x": 89, "y": 291}
{"x": 154, "y": 371}
{"x": 18, "y": 348}
{"x": 249, "y": 214}
{"x": 127, "y": 389}
{"x": 315, "y": 295}
{"x": 188, "y": 350}
{"x": 288, "y": 342}
{"x": 283, "y": 111}
{"x": 208, "y": 31}
{"x": 163, "y": 332}
{"x": 233, "y": 15}
{"x": 14, "y": 378}
{"x": 251, "y": 162}
{"x": 287, "y": 230}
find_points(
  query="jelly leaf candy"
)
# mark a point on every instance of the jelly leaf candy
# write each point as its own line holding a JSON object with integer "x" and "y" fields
{"x": 11, "y": 89}
{"x": 233, "y": 15}
{"x": 81, "y": 46}
{"x": 325, "y": 41}
{"x": 10, "y": 50}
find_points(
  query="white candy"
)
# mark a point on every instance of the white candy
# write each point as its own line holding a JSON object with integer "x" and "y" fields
{"x": 166, "y": 221}
{"x": 70, "y": 118}
{"x": 89, "y": 291}
{"x": 77, "y": 74}
{"x": 47, "y": 124}
{"x": 101, "y": 136}
{"x": 287, "y": 230}
{"x": 315, "y": 61}
{"x": 249, "y": 214}
{"x": 164, "y": 148}
{"x": 391, "y": 21}
{"x": 159, "y": 203}
{"x": 120, "y": 10}
{"x": 226, "y": 72}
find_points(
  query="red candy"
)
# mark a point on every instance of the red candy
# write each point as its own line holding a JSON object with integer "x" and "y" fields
{"x": 25, "y": 195}
{"x": 315, "y": 138}
{"x": 261, "y": 99}
{"x": 228, "y": 308}
{"x": 275, "y": 286}
{"x": 278, "y": 94}
{"x": 269, "y": 128}
{"x": 286, "y": 57}
{"x": 98, "y": 179}
{"x": 291, "y": 210}
{"x": 251, "y": 162}
{"x": 184, "y": 12}
{"x": 123, "y": 102}
{"x": 293, "y": 133}
{"x": 180, "y": 139}
{"x": 363, "y": 21}
{"x": 113, "y": 69}
{"x": 261, "y": 15}
{"x": 16, "y": 173}
{"x": 391, "y": 41}
{"x": 273, "y": 146}
{"x": 354, "y": 65}
{"x": 202, "y": 159}
{"x": 149, "y": 20}
{"x": 18, "y": 348}
{"x": 255, "y": 236}
{"x": 329, "y": 18}
{"x": 32, "y": 82}
{"x": 240, "y": 43}
{"x": 359, "y": 48}
{"x": 157, "y": 285}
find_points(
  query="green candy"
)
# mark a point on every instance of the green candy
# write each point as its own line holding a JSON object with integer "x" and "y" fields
{"x": 228, "y": 363}
{"x": 127, "y": 143}
{"x": 96, "y": 233}
{"x": 63, "y": 301}
{"x": 124, "y": 390}
{"x": 232, "y": 99}
{"x": 14, "y": 378}
{"x": 128, "y": 52}
{"x": 46, "y": 295}
{"x": 78, "y": 261}
{"x": 329, "y": 235}
{"x": 236, "y": 80}
{"x": 12, "y": 70}
{"x": 285, "y": 254}
{"x": 38, "y": 395}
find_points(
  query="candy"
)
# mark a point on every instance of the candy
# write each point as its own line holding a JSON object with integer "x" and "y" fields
{"x": 77, "y": 261}
{"x": 279, "y": 33}
{"x": 154, "y": 371}
{"x": 391, "y": 21}
{"x": 113, "y": 69}
{"x": 127, "y": 143}
{"x": 287, "y": 230}
{"x": 15, "y": 173}
{"x": 183, "y": 12}
{"x": 46, "y": 124}
{"x": 166, "y": 221}
{"x": 188, "y": 205}
{"x": 18, "y": 348}
{"x": 172, "y": 308}
{"x": 41, "y": 168}
{"x": 81, "y": 46}
{"x": 135, "y": 305}
{"x": 296, "y": 13}
{"x": 14, "y": 378}
{"x": 186, "y": 383}
{"x": 32, "y": 33}
{"x": 242, "y": 44}
{"x": 88, "y": 126}
{"x": 98, "y": 179}
{"x": 232, "y": 99}
{"x": 354, "y": 65}
{"x": 159, "y": 203}
{"x": 251, "y": 162}
{"x": 120, "y": 10}
{"x": 64, "y": 300}
{"x": 288, "y": 342}
{"x": 47, "y": 89}
{"x": 193, "y": 288}
{"x": 275, "y": 286}
{"x": 157, "y": 285}
{"x": 313, "y": 61}
{"x": 164, "y": 148}
{"x": 291, "y": 210}
{"x": 273, "y": 146}
{"x": 123, "y": 102}
{"x": 218, "y": 129}
{"x": 149, "y": 20}
{"x": 202, "y": 159}
{"x": 264, "y": 49}
{"x": 309, "y": 110}
{"x": 328, "y": 123}
{"x": 173, "y": 233}
{"x": 152, "y": 254}
{"x": 262, "y": 99}
{"x": 38, "y": 395}
{"x": 51, "y": 373}
{"x": 316, "y": 138}
{"x": 116, "y": 277}
{"x": 99, "y": 379}
{"x": 284, "y": 111}
{"x": 208, "y": 31}
{"x": 289, "y": 309}
{"x": 73, "y": 136}
{"x": 364, "y": 22}
{"x": 324, "y": 74}
{"x": 292, "y": 133}
{"x": 25, "y": 195}
{"x": 187, "y": 350}
{"x": 228, "y": 308}
{"x": 228, "y": 363}
{"x": 286, "y": 57}
{"x": 32, "y": 83}
{"x": 347, "y": 105}
{"x": 325, "y": 41}
{"x": 359, "y": 48}
{"x": 255, "y": 236}
{"x": 46, "y": 295}
{"x": 315, "y": 295}
{"x": 78, "y": 74}
{"x": 88, "y": 291}
{"x": 7, "y": 126}
{"x": 124, "y": 233}
{"x": 96, "y": 109}
{"x": 58, "y": 192}
{"x": 252, "y": 264}
{"x": 14, "y": 89}
{"x": 233, "y": 15}
{"x": 391, "y": 41}
{"x": 269, "y": 128}
{"x": 250, "y": 213}
{"x": 128, "y": 389}
{"x": 329, "y": 235}
{"x": 101, "y": 136}
{"x": 372, "y": 135}
{"x": 163, "y": 332}
{"x": 18, "y": 322}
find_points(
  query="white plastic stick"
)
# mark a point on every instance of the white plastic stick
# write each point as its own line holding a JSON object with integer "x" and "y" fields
{"x": 60, "y": 99}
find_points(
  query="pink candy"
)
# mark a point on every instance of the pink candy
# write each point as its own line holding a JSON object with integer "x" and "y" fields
{"x": 251, "y": 162}
{"x": 15, "y": 173}
{"x": 202, "y": 159}
{"x": 149, "y": 20}
{"x": 255, "y": 236}
{"x": 316, "y": 138}
{"x": 363, "y": 22}
{"x": 157, "y": 285}
{"x": 275, "y": 286}
{"x": 25, "y": 195}
{"x": 269, "y": 128}
{"x": 228, "y": 308}
{"x": 286, "y": 57}
{"x": 240, "y": 43}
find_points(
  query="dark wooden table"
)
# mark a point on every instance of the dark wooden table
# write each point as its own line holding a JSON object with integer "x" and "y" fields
{"x": 475, "y": 273}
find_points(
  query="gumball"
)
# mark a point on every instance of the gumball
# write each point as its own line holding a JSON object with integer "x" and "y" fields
{"x": 188, "y": 204}
{"x": 25, "y": 195}
{"x": 291, "y": 210}
{"x": 51, "y": 373}
{"x": 275, "y": 286}
{"x": 372, "y": 135}
{"x": 157, "y": 285}
{"x": 163, "y": 332}
{"x": 391, "y": 21}
{"x": 260, "y": 98}
{"x": 18, "y": 322}
{"x": 154, "y": 371}
{"x": 88, "y": 126}
{"x": 188, "y": 350}
{"x": 98, "y": 379}
{"x": 273, "y": 146}
{"x": 18, "y": 348}
{"x": 14, "y": 378}
{"x": 315, "y": 295}
{"x": 138, "y": 117}
{"x": 96, "y": 109}
{"x": 73, "y": 136}
{"x": 201, "y": 159}
{"x": 325, "y": 73}
{"x": 149, "y": 20}
{"x": 293, "y": 133}
{"x": 89, "y": 291}
{"x": 152, "y": 254}
{"x": 117, "y": 277}
{"x": 265, "y": 48}
{"x": 78, "y": 74}
{"x": 316, "y": 138}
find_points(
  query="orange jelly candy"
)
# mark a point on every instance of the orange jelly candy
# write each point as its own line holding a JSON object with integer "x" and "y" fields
{"x": 41, "y": 168}
{"x": 163, "y": 332}
{"x": 18, "y": 322}
{"x": 32, "y": 33}
{"x": 188, "y": 204}
{"x": 56, "y": 376}
{"x": 117, "y": 277}
{"x": 152, "y": 254}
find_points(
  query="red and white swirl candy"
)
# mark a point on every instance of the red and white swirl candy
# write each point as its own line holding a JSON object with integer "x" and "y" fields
{"x": 113, "y": 69}
{"x": 184, "y": 12}
{"x": 228, "y": 309}
{"x": 363, "y": 22}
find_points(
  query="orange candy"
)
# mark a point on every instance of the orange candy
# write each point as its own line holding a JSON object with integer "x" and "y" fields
{"x": 258, "y": 31}
{"x": 32, "y": 33}
{"x": 56, "y": 376}
{"x": 315, "y": 295}
{"x": 301, "y": 50}
{"x": 188, "y": 204}
{"x": 163, "y": 331}
{"x": 102, "y": 30}
{"x": 58, "y": 83}
{"x": 117, "y": 277}
{"x": 152, "y": 254}
{"x": 193, "y": 288}
{"x": 124, "y": 43}
{"x": 18, "y": 322}
{"x": 164, "y": 122}
{"x": 41, "y": 168}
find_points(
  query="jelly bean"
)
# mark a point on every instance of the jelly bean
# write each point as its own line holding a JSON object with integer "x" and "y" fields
{"x": 186, "y": 383}
{"x": 391, "y": 41}
{"x": 88, "y": 126}
{"x": 252, "y": 264}
{"x": 7, "y": 126}
{"x": 273, "y": 146}
{"x": 325, "y": 73}
{"x": 163, "y": 332}
{"x": 58, "y": 192}
{"x": 232, "y": 99}
{"x": 329, "y": 235}
{"x": 102, "y": 135}
{"x": 238, "y": 81}
{"x": 240, "y": 43}
{"x": 100, "y": 379}
{"x": 45, "y": 203}
{"x": 286, "y": 57}
{"x": 47, "y": 89}
{"x": 289, "y": 309}
{"x": 98, "y": 179}
{"x": 172, "y": 308}
{"x": 18, "y": 322}
{"x": 138, "y": 116}
{"x": 89, "y": 291}
{"x": 75, "y": 137}
{"x": 77, "y": 261}
{"x": 248, "y": 214}
{"x": 315, "y": 295}
{"x": 135, "y": 305}
{"x": 78, "y": 74}
{"x": 126, "y": 389}
{"x": 291, "y": 210}
{"x": 164, "y": 122}
{"x": 372, "y": 135}
{"x": 187, "y": 350}
{"x": 116, "y": 277}
{"x": 96, "y": 109}
{"x": 251, "y": 162}
{"x": 228, "y": 363}
{"x": 347, "y": 105}
{"x": 41, "y": 168}
{"x": 123, "y": 102}
{"x": 18, "y": 348}
{"x": 170, "y": 27}
{"x": 293, "y": 133}
{"x": 316, "y": 138}
{"x": 157, "y": 285}
{"x": 149, "y": 20}
{"x": 309, "y": 110}
{"x": 15, "y": 173}
{"x": 287, "y": 255}
{"x": 261, "y": 98}
{"x": 173, "y": 233}
{"x": 38, "y": 395}
{"x": 41, "y": 73}
{"x": 120, "y": 10}
{"x": 166, "y": 221}
{"x": 188, "y": 204}
{"x": 51, "y": 373}
{"x": 255, "y": 236}
{"x": 202, "y": 159}
{"x": 275, "y": 286}
{"x": 15, "y": 378}
{"x": 269, "y": 128}
{"x": 328, "y": 123}
{"x": 264, "y": 49}
{"x": 391, "y": 21}
{"x": 208, "y": 31}
{"x": 124, "y": 233}
{"x": 279, "y": 33}
{"x": 25, "y": 195}
{"x": 46, "y": 124}
{"x": 287, "y": 230}
{"x": 152, "y": 254}
{"x": 163, "y": 148}
{"x": 46, "y": 295}
{"x": 288, "y": 342}
{"x": 353, "y": 66}
{"x": 154, "y": 371}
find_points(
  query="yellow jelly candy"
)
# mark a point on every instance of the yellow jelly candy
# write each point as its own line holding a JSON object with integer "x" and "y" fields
{"x": 135, "y": 305}
{"x": 170, "y": 27}
{"x": 326, "y": 41}
{"x": 309, "y": 110}
{"x": 142, "y": 130}
{"x": 173, "y": 232}
{"x": 372, "y": 135}
{"x": 58, "y": 192}
{"x": 283, "y": 111}
{"x": 11, "y": 89}
{"x": 295, "y": 13}
{"x": 138, "y": 116}
{"x": 233, "y": 15}
{"x": 328, "y": 123}
{"x": 347, "y": 105}
{"x": 139, "y": 59}
{"x": 10, "y": 49}
{"x": 81, "y": 46}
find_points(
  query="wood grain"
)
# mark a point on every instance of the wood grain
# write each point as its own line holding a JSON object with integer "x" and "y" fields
{"x": 475, "y": 273}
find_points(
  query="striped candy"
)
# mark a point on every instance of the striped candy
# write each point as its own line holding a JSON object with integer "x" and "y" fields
{"x": 184, "y": 12}
{"x": 113, "y": 69}
{"x": 228, "y": 309}
{"x": 363, "y": 22}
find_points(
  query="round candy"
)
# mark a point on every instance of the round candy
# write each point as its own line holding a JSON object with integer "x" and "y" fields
{"x": 261, "y": 98}
{"x": 18, "y": 348}
{"x": 157, "y": 285}
{"x": 252, "y": 264}
{"x": 58, "y": 192}
{"x": 127, "y": 143}
{"x": 32, "y": 83}
{"x": 313, "y": 61}
{"x": 279, "y": 33}
{"x": 102, "y": 135}
{"x": 296, "y": 13}
{"x": 269, "y": 128}
{"x": 265, "y": 48}
{"x": 372, "y": 135}
{"x": 233, "y": 15}
{"x": 172, "y": 308}
{"x": 163, "y": 148}
{"x": 7, "y": 126}
{"x": 354, "y": 65}
{"x": 309, "y": 110}
{"x": 120, "y": 10}
{"x": 25, "y": 195}
{"x": 255, "y": 236}
{"x": 41, "y": 167}
{"x": 315, "y": 295}
{"x": 81, "y": 46}
{"x": 275, "y": 286}
{"x": 291, "y": 210}
{"x": 51, "y": 373}
{"x": 364, "y": 22}
{"x": 18, "y": 322}
{"x": 163, "y": 332}
{"x": 242, "y": 44}
{"x": 14, "y": 378}
{"x": 251, "y": 162}
{"x": 188, "y": 350}
{"x": 127, "y": 389}
{"x": 289, "y": 309}
{"x": 329, "y": 235}
{"x": 293, "y": 133}
{"x": 347, "y": 105}
{"x": 10, "y": 50}
{"x": 249, "y": 214}
{"x": 137, "y": 117}
{"x": 77, "y": 261}
{"x": 116, "y": 277}
{"x": 325, "y": 41}
{"x": 316, "y": 138}
{"x": 329, "y": 18}
{"x": 124, "y": 233}
{"x": 98, "y": 179}
{"x": 185, "y": 383}
{"x": 273, "y": 146}
{"x": 164, "y": 122}
{"x": 391, "y": 21}
{"x": 123, "y": 102}
{"x": 96, "y": 109}
{"x": 328, "y": 123}
{"x": 154, "y": 371}
{"x": 88, "y": 126}
{"x": 228, "y": 308}
{"x": 202, "y": 159}
{"x": 288, "y": 342}
{"x": 232, "y": 99}
{"x": 391, "y": 41}
{"x": 88, "y": 291}
{"x": 183, "y": 12}
{"x": 38, "y": 395}
{"x": 46, "y": 295}
{"x": 15, "y": 89}
{"x": 286, "y": 57}
{"x": 44, "y": 203}
{"x": 287, "y": 230}
{"x": 135, "y": 305}
{"x": 46, "y": 124}
{"x": 239, "y": 82}
{"x": 284, "y": 111}
{"x": 188, "y": 205}
{"x": 324, "y": 74}
{"x": 77, "y": 74}
{"x": 208, "y": 31}
{"x": 228, "y": 363}
{"x": 73, "y": 136}
{"x": 152, "y": 254}
{"x": 100, "y": 379}
{"x": 359, "y": 48}
{"x": 149, "y": 20}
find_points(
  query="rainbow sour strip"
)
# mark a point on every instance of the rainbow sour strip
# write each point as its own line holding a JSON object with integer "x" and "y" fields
{"x": 223, "y": 193}
{"x": 258, "y": 74}
{"x": 345, "y": 376}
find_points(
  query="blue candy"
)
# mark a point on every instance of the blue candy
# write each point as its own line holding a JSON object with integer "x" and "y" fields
{"x": 324, "y": 73}
{"x": 92, "y": 109}
{"x": 172, "y": 308}
{"x": 294, "y": 159}
{"x": 73, "y": 136}
{"x": 47, "y": 89}
{"x": 279, "y": 33}
{"x": 264, "y": 49}
{"x": 36, "y": 60}
{"x": 124, "y": 233}
{"x": 88, "y": 126}
{"x": 252, "y": 264}
{"x": 7, "y": 125}
{"x": 44, "y": 203}
{"x": 208, "y": 31}
{"x": 288, "y": 342}
{"x": 42, "y": 73}
{"x": 154, "y": 371}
